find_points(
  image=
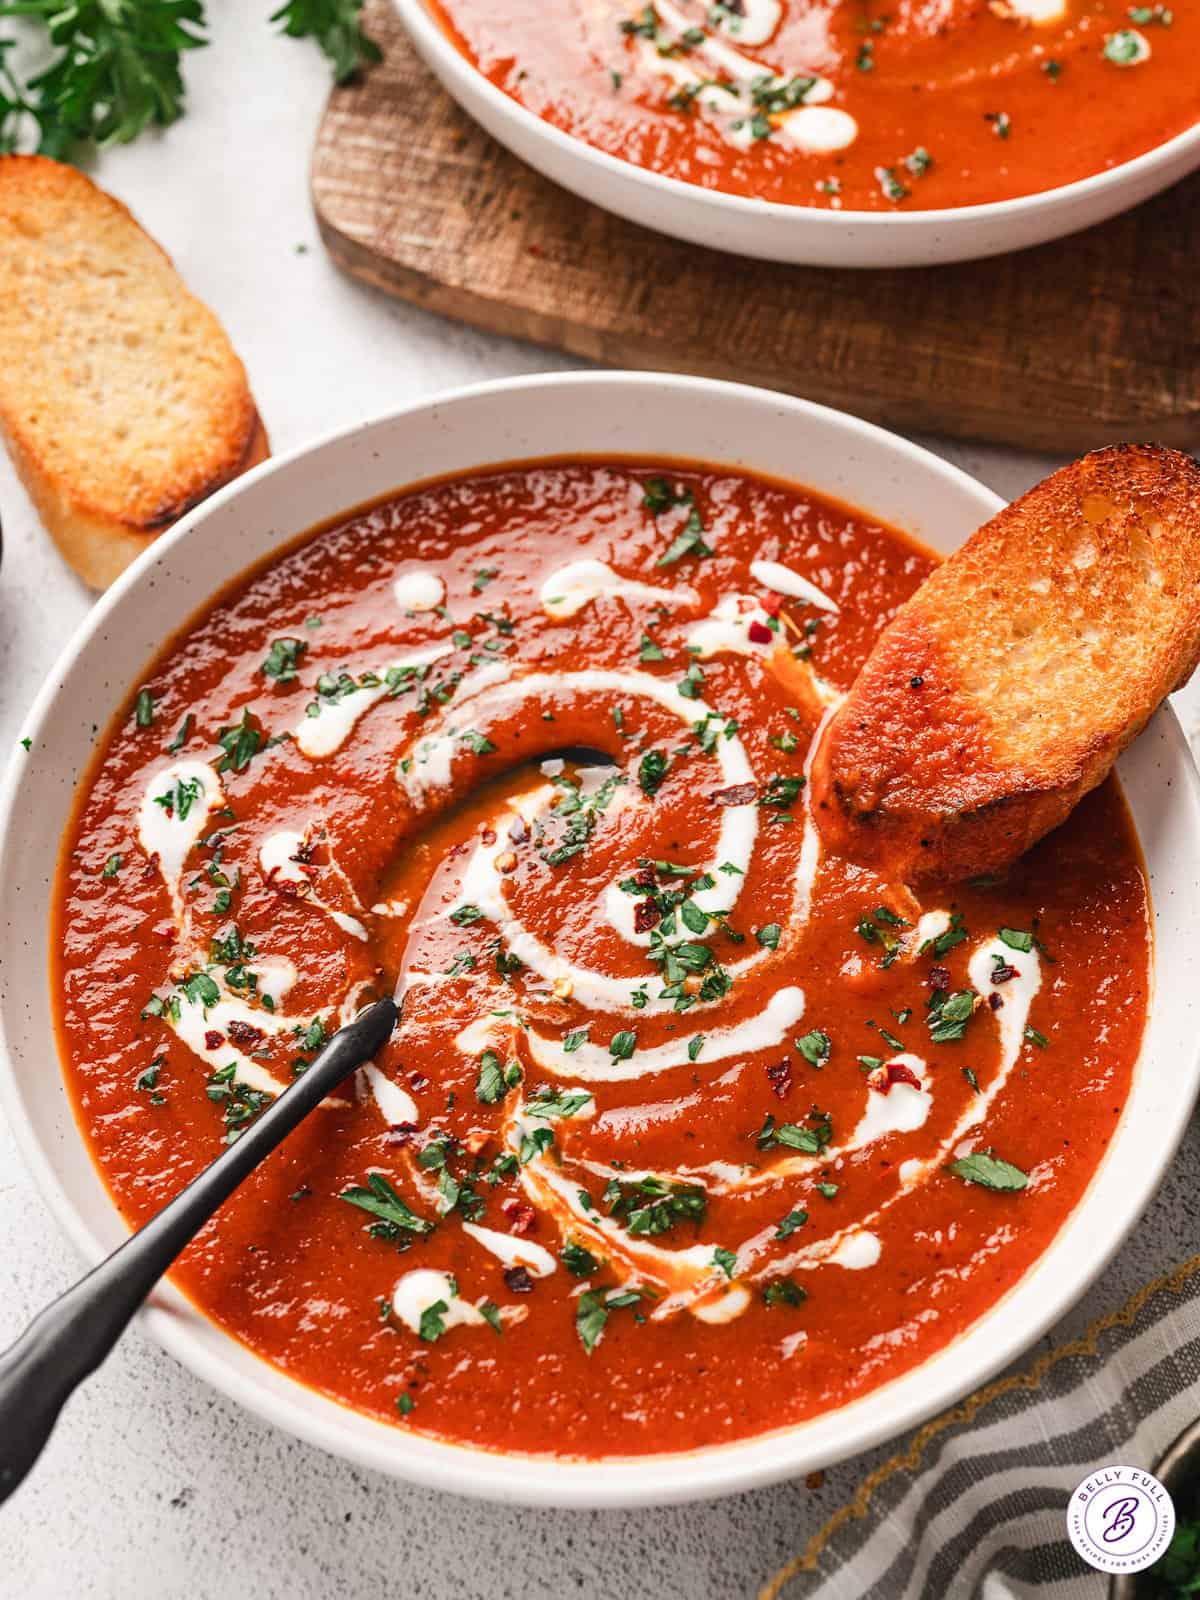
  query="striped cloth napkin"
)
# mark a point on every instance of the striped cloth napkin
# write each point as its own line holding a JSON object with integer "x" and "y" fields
{"x": 974, "y": 1506}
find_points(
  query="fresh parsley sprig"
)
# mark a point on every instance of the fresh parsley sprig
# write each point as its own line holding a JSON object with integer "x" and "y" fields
{"x": 336, "y": 26}
{"x": 116, "y": 65}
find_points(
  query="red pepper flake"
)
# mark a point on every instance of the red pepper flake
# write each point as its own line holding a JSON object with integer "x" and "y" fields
{"x": 759, "y": 633}
{"x": 647, "y": 878}
{"x": 772, "y": 602}
{"x": 245, "y": 1033}
{"x": 780, "y": 1077}
{"x": 418, "y": 1081}
{"x": 737, "y": 794}
{"x": 1005, "y": 973}
{"x": 646, "y": 915}
{"x": 995, "y": 1001}
{"x": 213, "y": 1040}
{"x": 938, "y": 978}
{"x": 518, "y": 1280}
{"x": 400, "y": 1133}
{"x": 488, "y": 835}
{"x": 522, "y": 1218}
{"x": 892, "y": 1072}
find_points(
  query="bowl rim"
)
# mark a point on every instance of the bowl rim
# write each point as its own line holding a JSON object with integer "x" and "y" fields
{"x": 431, "y": 38}
{"x": 509, "y": 1477}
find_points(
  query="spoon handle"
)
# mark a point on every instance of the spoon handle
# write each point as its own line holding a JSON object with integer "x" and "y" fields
{"x": 67, "y": 1341}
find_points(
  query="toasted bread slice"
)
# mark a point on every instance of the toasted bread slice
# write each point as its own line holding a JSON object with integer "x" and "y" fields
{"x": 1010, "y": 682}
{"x": 121, "y": 399}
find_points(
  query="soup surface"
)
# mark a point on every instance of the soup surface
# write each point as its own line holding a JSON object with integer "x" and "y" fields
{"x": 862, "y": 104}
{"x": 688, "y": 1131}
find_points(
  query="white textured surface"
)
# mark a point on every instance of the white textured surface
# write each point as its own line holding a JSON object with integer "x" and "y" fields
{"x": 152, "y": 1485}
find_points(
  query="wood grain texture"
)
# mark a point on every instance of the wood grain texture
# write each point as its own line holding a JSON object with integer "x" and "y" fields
{"x": 1079, "y": 343}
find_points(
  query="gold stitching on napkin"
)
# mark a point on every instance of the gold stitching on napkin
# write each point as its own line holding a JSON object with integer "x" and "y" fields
{"x": 965, "y": 1412}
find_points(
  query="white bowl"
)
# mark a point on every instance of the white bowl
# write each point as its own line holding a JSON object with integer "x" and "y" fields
{"x": 801, "y": 235}
{"x": 618, "y": 413}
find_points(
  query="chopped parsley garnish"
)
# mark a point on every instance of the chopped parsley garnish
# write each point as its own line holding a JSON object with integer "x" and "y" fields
{"x": 649, "y": 651}
{"x": 1034, "y": 1037}
{"x": 1016, "y": 939}
{"x": 182, "y": 734}
{"x": 111, "y": 867}
{"x": 380, "y": 1200}
{"x": 648, "y": 1206}
{"x": 143, "y": 710}
{"x": 622, "y": 1045}
{"x": 580, "y": 813}
{"x": 179, "y": 799}
{"x": 795, "y": 1135}
{"x": 592, "y": 1312}
{"x": 489, "y": 1086}
{"x": 828, "y": 1190}
{"x": 659, "y": 497}
{"x": 283, "y": 659}
{"x": 578, "y": 1261}
{"x": 954, "y": 934}
{"x": 534, "y": 1144}
{"x": 793, "y": 1220}
{"x": 405, "y": 1404}
{"x": 695, "y": 1045}
{"x": 815, "y": 1047}
{"x": 464, "y": 916}
{"x": 769, "y": 935}
{"x": 1125, "y": 48}
{"x": 890, "y": 184}
{"x": 477, "y": 743}
{"x": 948, "y": 1014}
{"x": 550, "y": 1105}
{"x": 200, "y": 989}
{"x": 652, "y": 769}
{"x": 432, "y": 1324}
{"x": 241, "y": 1103}
{"x": 783, "y": 1292}
{"x": 241, "y": 743}
{"x": 987, "y": 1170}
{"x": 726, "y": 1260}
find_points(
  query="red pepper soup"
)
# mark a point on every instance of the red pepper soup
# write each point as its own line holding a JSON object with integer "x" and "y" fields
{"x": 689, "y": 1130}
{"x": 870, "y": 105}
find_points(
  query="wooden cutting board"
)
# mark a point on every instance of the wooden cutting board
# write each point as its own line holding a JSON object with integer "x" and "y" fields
{"x": 1075, "y": 344}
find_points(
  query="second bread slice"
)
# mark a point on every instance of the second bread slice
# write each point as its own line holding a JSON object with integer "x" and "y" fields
{"x": 121, "y": 399}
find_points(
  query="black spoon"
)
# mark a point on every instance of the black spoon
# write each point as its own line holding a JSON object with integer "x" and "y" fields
{"x": 67, "y": 1341}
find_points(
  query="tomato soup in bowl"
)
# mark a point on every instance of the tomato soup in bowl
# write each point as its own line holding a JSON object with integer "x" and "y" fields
{"x": 1016, "y": 121}
{"x": 693, "y": 1141}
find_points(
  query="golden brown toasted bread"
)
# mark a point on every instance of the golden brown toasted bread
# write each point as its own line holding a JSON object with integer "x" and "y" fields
{"x": 121, "y": 399}
{"x": 1010, "y": 682}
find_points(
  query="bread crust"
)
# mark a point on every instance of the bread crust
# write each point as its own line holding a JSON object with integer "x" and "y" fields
{"x": 122, "y": 401}
{"x": 1011, "y": 681}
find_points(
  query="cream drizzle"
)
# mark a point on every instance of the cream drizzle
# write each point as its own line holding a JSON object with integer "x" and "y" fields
{"x": 567, "y": 590}
{"x": 280, "y": 856}
{"x": 512, "y": 1251}
{"x": 592, "y": 1063}
{"x": 419, "y": 1291}
{"x": 332, "y": 723}
{"x": 421, "y": 590}
{"x": 774, "y": 575}
{"x": 168, "y": 835}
